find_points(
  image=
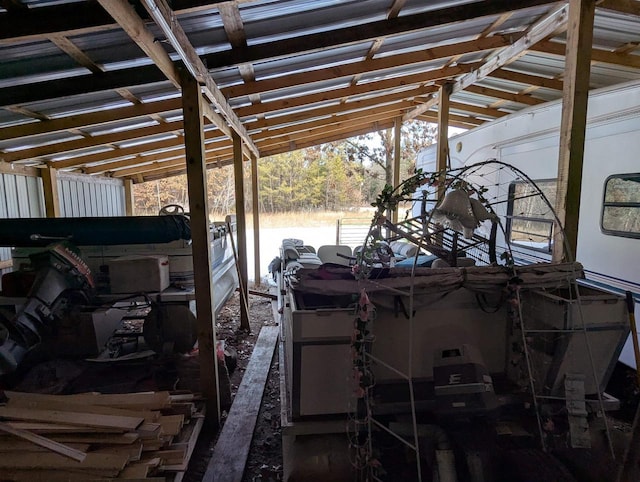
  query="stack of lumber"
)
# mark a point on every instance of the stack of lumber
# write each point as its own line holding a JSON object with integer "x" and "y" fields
{"x": 91, "y": 436}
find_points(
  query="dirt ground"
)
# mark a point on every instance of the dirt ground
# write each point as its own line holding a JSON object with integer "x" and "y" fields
{"x": 264, "y": 463}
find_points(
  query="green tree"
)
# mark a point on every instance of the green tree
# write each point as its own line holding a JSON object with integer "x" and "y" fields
{"x": 332, "y": 176}
{"x": 375, "y": 152}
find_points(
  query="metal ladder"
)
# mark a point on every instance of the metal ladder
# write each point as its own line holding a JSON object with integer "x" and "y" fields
{"x": 575, "y": 401}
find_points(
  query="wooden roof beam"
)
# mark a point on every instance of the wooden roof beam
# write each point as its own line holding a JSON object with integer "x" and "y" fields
{"x": 489, "y": 112}
{"x": 630, "y": 7}
{"x": 92, "y": 141}
{"x": 127, "y": 152}
{"x": 367, "y": 32}
{"x": 552, "y": 23}
{"x": 165, "y": 19}
{"x": 527, "y": 79}
{"x": 454, "y": 121}
{"x": 89, "y": 119}
{"x": 73, "y": 19}
{"x": 323, "y": 138}
{"x": 135, "y": 27}
{"x": 309, "y": 129}
{"x": 597, "y": 55}
{"x": 82, "y": 84}
{"x": 290, "y": 46}
{"x": 337, "y": 108}
{"x": 169, "y": 155}
{"x": 362, "y": 89}
{"x": 218, "y": 159}
{"x": 525, "y": 99}
{"x": 366, "y": 66}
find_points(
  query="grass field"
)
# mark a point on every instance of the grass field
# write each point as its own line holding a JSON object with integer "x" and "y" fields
{"x": 301, "y": 219}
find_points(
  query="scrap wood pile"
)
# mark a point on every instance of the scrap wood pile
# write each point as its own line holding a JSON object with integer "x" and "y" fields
{"x": 91, "y": 436}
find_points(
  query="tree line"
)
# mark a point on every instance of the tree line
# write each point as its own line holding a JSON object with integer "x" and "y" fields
{"x": 329, "y": 177}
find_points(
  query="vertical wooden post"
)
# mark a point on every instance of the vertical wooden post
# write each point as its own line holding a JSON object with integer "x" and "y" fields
{"x": 443, "y": 133}
{"x": 575, "y": 98}
{"x": 397, "y": 129}
{"x": 128, "y": 197}
{"x": 50, "y": 187}
{"x": 201, "y": 242}
{"x": 256, "y": 219}
{"x": 242, "y": 230}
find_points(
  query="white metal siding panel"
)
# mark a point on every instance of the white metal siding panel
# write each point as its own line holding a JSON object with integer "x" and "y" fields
{"x": 87, "y": 196}
{"x": 20, "y": 196}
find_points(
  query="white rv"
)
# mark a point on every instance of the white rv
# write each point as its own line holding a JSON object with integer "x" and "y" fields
{"x": 609, "y": 224}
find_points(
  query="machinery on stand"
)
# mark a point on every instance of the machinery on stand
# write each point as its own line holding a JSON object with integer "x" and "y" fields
{"x": 75, "y": 279}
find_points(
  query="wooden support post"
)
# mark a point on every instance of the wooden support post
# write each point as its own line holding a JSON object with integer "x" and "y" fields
{"x": 50, "y": 187}
{"x": 397, "y": 128}
{"x": 201, "y": 242}
{"x": 443, "y": 133}
{"x": 242, "y": 230}
{"x": 128, "y": 197}
{"x": 256, "y": 220}
{"x": 575, "y": 98}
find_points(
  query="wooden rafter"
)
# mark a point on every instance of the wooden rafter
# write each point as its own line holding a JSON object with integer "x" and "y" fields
{"x": 288, "y": 118}
{"x": 124, "y": 14}
{"x": 597, "y": 55}
{"x": 166, "y": 20}
{"x": 528, "y": 79}
{"x": 323, "y": 138}
{"x": 212, "y": 149}
{"x": 72, "y": 50}
{"x": 630, "y": 7}
{"x": 525, "y": 99}
{"x": 366, "y": 66}
{"x": 550, "y": 24}
{"x": 99, "y": 140}
{"x": 368, "y": 88}
{"x": 89, "y": 119}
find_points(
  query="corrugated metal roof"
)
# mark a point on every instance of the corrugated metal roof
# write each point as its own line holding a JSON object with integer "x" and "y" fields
{"x": 282, "y": 64}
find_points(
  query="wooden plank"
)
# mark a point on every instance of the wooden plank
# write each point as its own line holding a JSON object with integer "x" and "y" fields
{"x": 131, "y": 401}
{"x": 106, "y": 463}
{"x": 51, "y": 475}
{"x": 186, "y": 409}
{"x": 49, "y": 444}
{"x": 43, "y": 427}
{"x": 98, "y": 438}
{"x": 133, "y": 451}
{"x": 230, "y": 453}
{"x": 13, "y": 445}
{"x": 269, "y": 296}
{"x": 6, "y": 263}
{"x": 190, "y": 435}
{"x": 171, "y": 424}
{"x": 135, "y": 471}
{"x": 72, "y": 418}
{"x": 75, "y": 406}
{"x": 149, "y": 430}
{"x": 152, "y": 445}
{"x": 171, "y": 457}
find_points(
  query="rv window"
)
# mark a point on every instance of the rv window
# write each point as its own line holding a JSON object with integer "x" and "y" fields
{"x": 530, "y": 218}
{"x": 621, "y": 207}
